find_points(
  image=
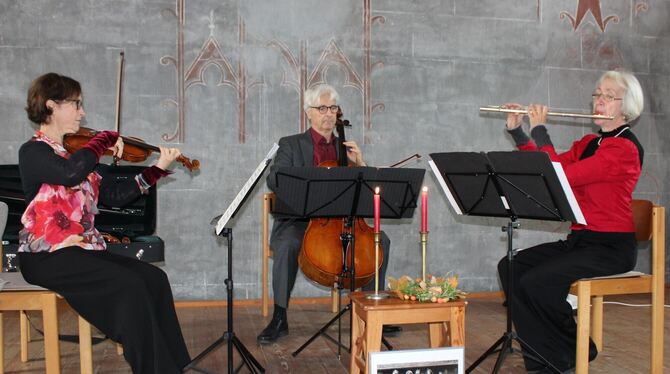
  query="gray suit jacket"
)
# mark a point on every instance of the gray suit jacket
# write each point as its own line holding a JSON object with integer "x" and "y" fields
{"x": 294, "y": 150}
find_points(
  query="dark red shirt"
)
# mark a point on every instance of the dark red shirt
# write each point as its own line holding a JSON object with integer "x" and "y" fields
{"x": 324, "y": 149}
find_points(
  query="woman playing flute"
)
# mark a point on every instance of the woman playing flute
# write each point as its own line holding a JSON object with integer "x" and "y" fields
{"x": 602, "y": 170}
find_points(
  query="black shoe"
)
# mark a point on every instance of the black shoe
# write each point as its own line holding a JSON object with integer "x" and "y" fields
{"x": 277, "y": 328}
{"x": 391, "y": 330}
{"x": 536, "y": 367}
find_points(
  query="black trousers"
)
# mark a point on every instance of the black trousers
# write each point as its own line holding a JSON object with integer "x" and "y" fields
{"x": 542, "y": 277}
{"x": 130, "y": 301}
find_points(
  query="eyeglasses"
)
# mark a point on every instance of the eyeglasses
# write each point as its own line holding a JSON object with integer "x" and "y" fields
{"x": 323, "y": 108}
{"x": 78, "y": 103}
{"x": 606, "y": 97}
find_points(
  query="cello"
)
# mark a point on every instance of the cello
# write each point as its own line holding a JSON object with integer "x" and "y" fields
{"x": 325, "y": 256}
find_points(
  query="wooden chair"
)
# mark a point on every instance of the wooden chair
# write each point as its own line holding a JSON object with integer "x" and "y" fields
{"x": 268, "y": 204}
{"x": 649, "y": 224}
{"x": 21, "y": 297}
{"x": 18, "y": 295}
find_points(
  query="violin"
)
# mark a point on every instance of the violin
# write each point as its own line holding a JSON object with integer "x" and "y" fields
{"x": 134, "y": 149}
{"x": 323, "y": 255}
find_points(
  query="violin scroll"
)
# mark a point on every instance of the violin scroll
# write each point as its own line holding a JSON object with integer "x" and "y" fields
{"x": 188, "y": 163}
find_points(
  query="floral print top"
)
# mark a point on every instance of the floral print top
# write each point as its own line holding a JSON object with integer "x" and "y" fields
{"x": 62, "y": 216}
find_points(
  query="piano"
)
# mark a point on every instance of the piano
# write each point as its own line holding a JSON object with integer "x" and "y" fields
{"x": 136, "y": 221}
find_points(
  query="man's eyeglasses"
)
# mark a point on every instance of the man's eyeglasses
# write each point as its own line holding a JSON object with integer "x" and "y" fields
{"x": 323, "y": 109}
{"x": 77, "y": 103}
{"x": 606, "y": 97}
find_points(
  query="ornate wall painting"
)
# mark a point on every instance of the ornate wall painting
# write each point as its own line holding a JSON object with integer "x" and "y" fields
{"x": 295, "y": 73}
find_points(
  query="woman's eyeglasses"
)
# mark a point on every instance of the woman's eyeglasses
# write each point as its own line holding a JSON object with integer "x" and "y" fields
{"x": 606, "y": 97}
{"x": 78, "y": 103}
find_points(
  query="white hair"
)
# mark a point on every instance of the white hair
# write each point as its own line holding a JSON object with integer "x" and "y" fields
{"x": 313, "y": 94}
{"x": 633, "y": 100}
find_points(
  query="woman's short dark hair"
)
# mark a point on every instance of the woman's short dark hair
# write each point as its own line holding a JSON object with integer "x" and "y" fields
{"x": 50, "y": 86}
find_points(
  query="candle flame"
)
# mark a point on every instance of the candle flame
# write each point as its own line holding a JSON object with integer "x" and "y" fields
{"x": 424, "y": 189}
{"x": 376, "y": 190}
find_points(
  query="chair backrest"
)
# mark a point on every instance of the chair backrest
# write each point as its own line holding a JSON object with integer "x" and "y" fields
{"x": 650, "y": 225}
{"x": 642, "y": 216}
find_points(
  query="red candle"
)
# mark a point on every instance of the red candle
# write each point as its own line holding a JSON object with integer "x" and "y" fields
{"x": 377, "y": 207}
{"x": 424, "y": 209}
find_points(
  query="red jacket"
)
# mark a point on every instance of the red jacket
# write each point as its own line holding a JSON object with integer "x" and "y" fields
{"x": 603, "y": 183}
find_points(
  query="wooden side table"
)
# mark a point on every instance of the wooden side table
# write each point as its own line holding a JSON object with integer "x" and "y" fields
{"x": 446, "y": 324}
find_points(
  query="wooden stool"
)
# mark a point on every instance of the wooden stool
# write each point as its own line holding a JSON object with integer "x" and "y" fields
{"x": 446, "y": 324}
{"x": 21, "y": 296}
{"x": 17, "y": 295}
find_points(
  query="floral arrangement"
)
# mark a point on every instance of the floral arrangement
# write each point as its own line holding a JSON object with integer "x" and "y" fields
{"x": 434, "y": 289}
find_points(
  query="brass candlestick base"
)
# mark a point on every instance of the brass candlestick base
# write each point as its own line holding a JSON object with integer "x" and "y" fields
{"x": 377, "y": 295}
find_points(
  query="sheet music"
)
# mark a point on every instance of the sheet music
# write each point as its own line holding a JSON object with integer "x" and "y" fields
{"x": 579, "y": 216}
{"x": 232, "y": 208}
{"x": 443, "y": 184}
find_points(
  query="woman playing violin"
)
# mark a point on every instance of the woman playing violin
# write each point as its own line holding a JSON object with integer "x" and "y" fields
{"x": 60, "y": 249}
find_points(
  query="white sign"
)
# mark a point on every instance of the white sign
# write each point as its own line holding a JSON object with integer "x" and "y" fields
{"x": 418, "y": 361}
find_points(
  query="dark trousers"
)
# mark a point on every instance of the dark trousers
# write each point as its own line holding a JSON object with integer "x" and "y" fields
{"x": 130, "y": 301}
{"x": 286, "y": 241}
{"x": 543, "y": 274}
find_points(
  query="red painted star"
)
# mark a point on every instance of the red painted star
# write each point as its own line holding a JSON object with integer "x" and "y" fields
{"x": 593, "y": 6}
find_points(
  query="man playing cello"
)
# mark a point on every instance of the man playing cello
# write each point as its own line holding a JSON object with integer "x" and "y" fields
{"x": 311, "y": 148}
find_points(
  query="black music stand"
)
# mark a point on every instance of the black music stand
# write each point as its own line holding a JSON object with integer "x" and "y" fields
{"x": 222, "y": 228}
{"x": 312, "y": 192}
{"x": 513, "y": 185}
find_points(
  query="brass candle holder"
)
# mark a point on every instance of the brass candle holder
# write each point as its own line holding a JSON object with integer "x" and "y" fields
{"x": 377, "y": 295}
{"x": 424, "y": 239}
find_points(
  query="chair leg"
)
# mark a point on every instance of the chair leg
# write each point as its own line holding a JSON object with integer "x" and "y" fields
{"x": 583, "y": 319}
{"x": 265, "y": 297}
{"x": 266, "y": 252}
{"x": 657, "y": 300}
{"x": 24, "y": 326}
{"x": 51, "y": 347}
{"x": 597, "y": 321}
{"x": 85, "y": 347}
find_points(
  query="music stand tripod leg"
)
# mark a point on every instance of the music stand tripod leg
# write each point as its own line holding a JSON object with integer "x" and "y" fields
{"x": 228, "y": 336}
{"x": 505, "y": 342}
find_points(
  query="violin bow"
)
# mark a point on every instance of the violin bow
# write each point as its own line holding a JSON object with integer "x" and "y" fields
{"x": 404, "y": 161}
{"x": 119, "y": 85}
